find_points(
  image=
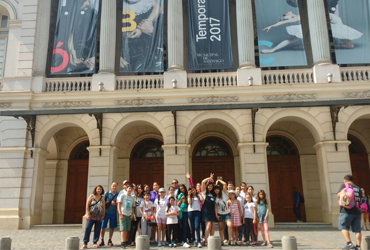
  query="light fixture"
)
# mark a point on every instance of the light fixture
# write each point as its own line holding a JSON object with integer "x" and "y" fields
{"x": 174, "y": 83}
{"x": 329, "y": 77}
{"x": 101, "y": 86}
{"x": 250, "y": 81}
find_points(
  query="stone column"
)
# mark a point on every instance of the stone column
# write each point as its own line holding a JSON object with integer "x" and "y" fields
{"x": 333, "y": 166}
{"x": 107, "y": 47}
{"x": 323, "y": 66}
{"x": 175, "y": 77}
{"x": 175, "y": 164}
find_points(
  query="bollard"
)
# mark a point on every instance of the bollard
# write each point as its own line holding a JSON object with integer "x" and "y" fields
{"x": 72, "y": 243}
{"x": 289, "y": 243}
{"x": 365, "y": 244}
{"x": 214, "y": 242}
{"x": 142, "y": 242}
{"x": 5, "y": 243}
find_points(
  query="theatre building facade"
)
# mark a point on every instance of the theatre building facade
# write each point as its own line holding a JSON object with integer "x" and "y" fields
{"x": 149, "y": 90}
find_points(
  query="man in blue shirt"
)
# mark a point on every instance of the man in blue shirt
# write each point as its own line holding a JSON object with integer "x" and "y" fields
{"x": 297, "y": 204}
{"x": 110, "y": 213}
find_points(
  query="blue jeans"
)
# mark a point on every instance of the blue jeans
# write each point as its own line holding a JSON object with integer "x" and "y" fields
{"x": 297, "y": 212}
{"x": 89, "y": 225}
{"x": 185, "y": 226}
{"x": 195, "y": 224}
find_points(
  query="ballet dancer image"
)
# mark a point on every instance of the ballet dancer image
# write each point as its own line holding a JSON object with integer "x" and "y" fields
{"x": 293, "y": 30}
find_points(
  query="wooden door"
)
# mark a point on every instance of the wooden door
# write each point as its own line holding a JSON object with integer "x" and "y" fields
{"x": 223, "y": 167}
{"x": 147, "y": 171}
{"x": 284, "y": 174}
{"x": 361, "y": 171}
{"x": 76, "y": 191}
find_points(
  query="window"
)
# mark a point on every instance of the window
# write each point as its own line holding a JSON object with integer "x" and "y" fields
{"x": 356, "y": 147}
{"x": 149, "y": 148}
{"x": 80, "y": 152}
{"x": 4, "y": 31}
{"x": 212, "y": 146}
{"x": 280, "y": 146}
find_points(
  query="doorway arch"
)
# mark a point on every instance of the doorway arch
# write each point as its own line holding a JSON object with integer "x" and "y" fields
{"x": 359, "y": 162}
{"x": 284, "y": 171}
{"x": 213, "y": 155}
{"x": 77, "y": 176}
{"x": 147, "y": 162}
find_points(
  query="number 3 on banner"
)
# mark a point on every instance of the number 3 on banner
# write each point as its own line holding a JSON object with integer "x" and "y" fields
{"x": 129, "y": 20}
{"x": 65, "y": 57}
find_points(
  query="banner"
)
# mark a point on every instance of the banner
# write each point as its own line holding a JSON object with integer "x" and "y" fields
{"x": 349, "y": 21}
{"x": 142, "y": 36}
{"x": 75, "y": 37}
{"x": 280, "y": 36}
{"x": 209, "y": 35}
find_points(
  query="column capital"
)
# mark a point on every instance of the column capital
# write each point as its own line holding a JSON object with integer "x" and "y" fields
{"x": 325, "y": 143}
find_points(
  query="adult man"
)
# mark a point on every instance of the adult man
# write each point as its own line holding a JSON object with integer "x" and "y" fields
{"x": 126, "y": 210}
{"x": 110, "y": 213}
{"x": 175, "y": 184}
{"x": 350, "y": 217}
{"x": 297, "y": 204}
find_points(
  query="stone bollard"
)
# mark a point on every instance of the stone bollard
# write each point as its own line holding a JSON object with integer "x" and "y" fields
{"x": 72, "y": 243}
{"x": 289, "y": 243}
{"x": 214, "y": 242}
{"x": 142, "y": 242}
{"x": 5, "y": 243}
{"x": 365, "y": 244}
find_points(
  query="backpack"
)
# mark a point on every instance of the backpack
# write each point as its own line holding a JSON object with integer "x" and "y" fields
{"x": 347, "y": 197}
{"x": 301, "y": 199}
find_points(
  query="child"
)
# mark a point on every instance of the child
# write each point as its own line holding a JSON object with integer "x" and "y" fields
{"x": 194, "y": 200}
{"x": 236, "y": 216}
{"x": 126, "y": 210}
{"x": 172, "y": 212}
{"x": 146, "y": 211}
{"x": 262, "y": 216}
{"x": 249, "y": 220}
{"x": 241, "y": 199}
{"x": 160, "y": 205}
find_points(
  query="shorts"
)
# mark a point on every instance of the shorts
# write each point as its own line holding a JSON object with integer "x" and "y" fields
{"x": 112, "y": 219}
{"x": 345, "y": 221}
{"x": 224, "y": 217}
{"x": 125, "y": 224}
{"x": 161, "y": 221}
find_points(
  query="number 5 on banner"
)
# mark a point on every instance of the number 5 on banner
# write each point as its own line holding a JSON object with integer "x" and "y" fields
{"x": 129, "y": 20}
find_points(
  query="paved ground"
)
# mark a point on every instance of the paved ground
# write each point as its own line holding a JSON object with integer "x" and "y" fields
{"x": 53, "y": 237}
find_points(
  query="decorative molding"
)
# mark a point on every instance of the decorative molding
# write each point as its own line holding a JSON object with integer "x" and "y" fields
{"x": 213, "y": 99}
{"x": 5, "y": 105}
{"x": 356, "y": 95}
{"x": 66, "y": 104}
{"x": 290, "y": 97}
{"x": 138, "y": 102}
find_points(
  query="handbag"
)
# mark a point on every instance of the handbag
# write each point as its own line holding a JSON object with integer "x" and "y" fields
{"x": 151, "y": 220}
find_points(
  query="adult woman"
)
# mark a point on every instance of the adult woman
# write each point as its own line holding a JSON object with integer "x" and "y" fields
{"x": 182, "y": 202}
{"x": 221, "y": 209}
{"x": 194, "y": 201}
{"x": 209, "y": 215}
{"x": 365, "y": 210}
{"x": 138, "y": 198}
{"x": 95, "y": 212}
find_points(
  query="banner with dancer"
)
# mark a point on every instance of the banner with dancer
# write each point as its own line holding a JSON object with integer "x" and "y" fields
{"x": 209, "y": 35}
{"x": 142, "y": 36}
{"x": 75, "y": 37}
{"x": 280, "y": 35}
{"x": 349, "y": 23}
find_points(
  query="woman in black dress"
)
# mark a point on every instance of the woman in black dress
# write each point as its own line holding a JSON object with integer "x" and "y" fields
{"x": 209, "y": 214}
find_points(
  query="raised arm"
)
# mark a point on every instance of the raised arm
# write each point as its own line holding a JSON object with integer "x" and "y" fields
{"x": 189, "y": 179}
{"x": 204, "y": 184}
{"x": 279, "y": 23}
{"x": 224, "y": 188}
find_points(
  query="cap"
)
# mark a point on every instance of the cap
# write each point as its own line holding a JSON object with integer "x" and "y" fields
{"x": 162, "y": 190}
{"x": 125, "y": 182}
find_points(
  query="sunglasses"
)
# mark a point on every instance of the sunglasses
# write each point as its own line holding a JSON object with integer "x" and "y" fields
{"x": 174, "y": 182}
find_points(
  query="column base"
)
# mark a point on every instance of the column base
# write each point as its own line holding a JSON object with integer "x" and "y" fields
{"x": 250, "y": 76}
{"x": 271, "y": 220}
{"x": 321, "y": 72}
{"x": 13, "y": 219}
{"x": 175, "y": 79}
{"x": 108, "y": 79}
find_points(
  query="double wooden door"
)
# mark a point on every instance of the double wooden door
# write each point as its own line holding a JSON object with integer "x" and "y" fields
{"x": 147, "y": 171}
{"x": 284, "y": 174}
{"x": 361, "y": 171}
{"x": 76, "y": 193}
{"x": 223, "y": 167}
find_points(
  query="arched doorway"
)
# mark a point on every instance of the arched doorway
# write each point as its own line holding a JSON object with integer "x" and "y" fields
{"x": 284, "y": 171}
{"x": 146, "y": 162}
{"x": 359, "y": 163}
{"x": 78, "y": 166}
{"x": 213, "y": 155}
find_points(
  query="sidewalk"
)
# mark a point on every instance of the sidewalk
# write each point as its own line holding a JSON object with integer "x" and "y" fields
{"x": 53, "y": 237}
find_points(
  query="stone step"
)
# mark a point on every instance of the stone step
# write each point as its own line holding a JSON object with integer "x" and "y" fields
{"x": 282, "y": 225}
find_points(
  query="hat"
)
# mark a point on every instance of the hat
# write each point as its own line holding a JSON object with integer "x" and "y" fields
{"x": 161, "y": 190}
{"x": 233, "y": 192}
{"x": 125, "y": 182}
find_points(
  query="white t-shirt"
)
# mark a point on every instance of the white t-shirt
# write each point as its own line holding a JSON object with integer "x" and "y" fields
{"x": 172, "y": 219}
{"x": 127, "y": 203}
{"x": 160, "y": 208}
{"x": 147, "y": 208}
{"x": 222, "y": 204}
{"x": 195, "y": 204}
{"x": 138, "y": 202}
{"x": 248, "y": 210}
{"x": 241, "y": 200}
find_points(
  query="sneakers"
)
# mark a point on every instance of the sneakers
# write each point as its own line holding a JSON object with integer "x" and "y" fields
{"x": 170, "y": 245}
{"x": 349, "y": 246}
{"x": 194, "y": 243}
{"x": 271, "y": 246}
{"x": 123, "y": 245}
{"x": 174, "y": 245}
{"x": 358, "y": 248}
{"x": 199, "y": 245}
{"x": 159, "y": 244}
{"x": 186, "y": 245}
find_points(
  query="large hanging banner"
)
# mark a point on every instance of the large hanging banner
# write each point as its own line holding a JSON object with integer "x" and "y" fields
{"x": 75, "y": 37}
{"x": 349, "y": 22}
{"x": 142, "y": 36}
{"x": 209, "y": 35}
{"x": 280, "y": 36}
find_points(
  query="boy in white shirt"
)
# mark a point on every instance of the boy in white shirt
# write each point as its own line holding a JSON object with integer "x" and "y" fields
{"x": 126, "y": 211}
